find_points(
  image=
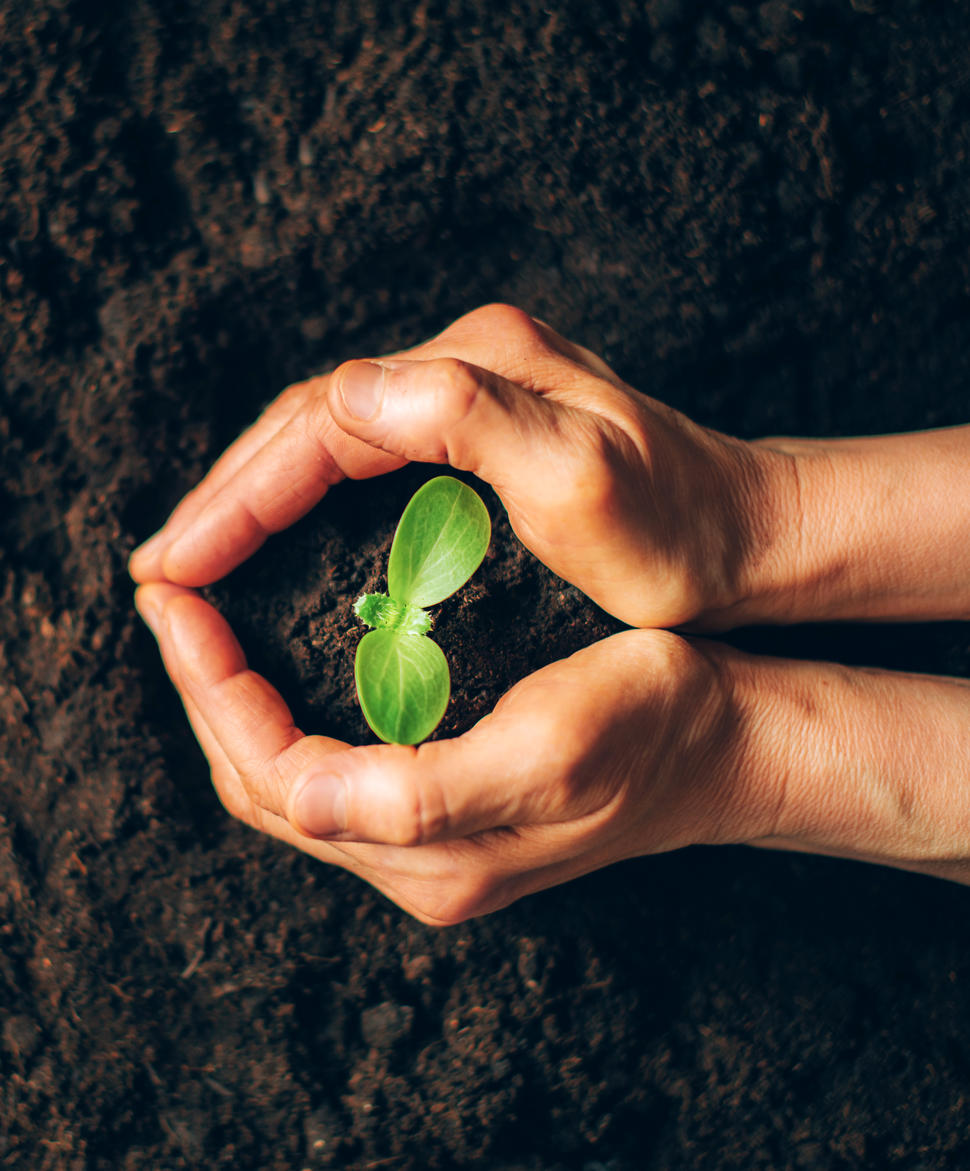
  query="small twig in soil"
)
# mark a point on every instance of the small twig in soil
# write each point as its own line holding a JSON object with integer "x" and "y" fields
{"x": 199, "y": 956}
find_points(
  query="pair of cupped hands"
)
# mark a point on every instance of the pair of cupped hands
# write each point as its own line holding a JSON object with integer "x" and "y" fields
{"x": 648, "y": 740}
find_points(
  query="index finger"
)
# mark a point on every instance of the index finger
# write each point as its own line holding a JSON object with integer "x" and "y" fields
{"x": 269, "y": 477}
{"x": 273, "y": 475}
{"x": 145, "y": 565}
{"x": 243, "y": 714}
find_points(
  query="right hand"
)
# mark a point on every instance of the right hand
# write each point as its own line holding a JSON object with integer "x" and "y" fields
{"x": 646, "y": 512}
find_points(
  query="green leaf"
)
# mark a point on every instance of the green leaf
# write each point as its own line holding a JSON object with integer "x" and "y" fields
{"x": 403, "y": 685}
{"x": 440, "y": 542}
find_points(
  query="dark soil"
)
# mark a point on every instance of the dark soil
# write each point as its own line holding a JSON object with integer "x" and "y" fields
{"x": 758, "y": 213}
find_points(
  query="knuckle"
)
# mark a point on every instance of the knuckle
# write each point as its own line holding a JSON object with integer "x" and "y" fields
{"x": 629, "y": 422}
{"x": 459, "y": 390}
{"x": 508, "y": 322}
{"x": 594, "y": 481}
{"x": 569, "y": 767}
{"x": 281, "y": 408}
{"x": 589, "y": 485}
{"x": 406, "y": 831}
{"x": 549, "y": 727}
{"x": 457, "y": 386}
{"x": 563, "y": 743}
{"x": 421, "y": 818}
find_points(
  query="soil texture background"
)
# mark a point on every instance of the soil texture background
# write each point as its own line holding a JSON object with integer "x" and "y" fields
{"x": 755, "y": 212}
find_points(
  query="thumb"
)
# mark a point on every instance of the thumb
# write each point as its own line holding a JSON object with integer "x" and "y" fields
{"x": 401, "y": 796}
{"x": 446, "y": 411}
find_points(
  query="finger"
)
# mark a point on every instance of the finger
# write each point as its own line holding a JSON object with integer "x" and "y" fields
{"x": 569, "y": 744}
{"x": 443, "y": 883}
{"x": 234, "y": 793}
{"x": 413, "y": 879}
{"x": 447, "y": 880}
{"x": 215, "y": 652}
{"x": 287, "y": 469}
{"x": 280, "y": 483}
{"x": 521, "y": 348}
{"x": 444, "y": 411}
{"x": 150, "y": 602}
{"x": 244, "y": 712}
{"x": 264, "y": 481}
{"x": 236, "y": 799}
{"x": 145, "y": 563}
{"x": 449, "y": 411}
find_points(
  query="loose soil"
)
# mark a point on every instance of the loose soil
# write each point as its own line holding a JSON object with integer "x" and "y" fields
{"x": 758, "y": 213}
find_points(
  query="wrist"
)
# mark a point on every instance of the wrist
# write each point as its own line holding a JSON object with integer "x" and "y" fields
{"x": 756, "y": 567}
{"x": 756, "y": 758}
{"x": 852, "y": 763}
{"x": 806, "y": 513}
{"x": 782, "y": 576}
{"x": 811, "y": 764}
{"x": 816, "y": 563}
{"x": 869, "y": 529}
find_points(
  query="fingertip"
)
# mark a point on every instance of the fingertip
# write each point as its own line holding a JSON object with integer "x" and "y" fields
{"x": 145, "y": 562}
{"x": 150, "y": 606}
{"x": 168, "y": 560}
{"x": 358, "y": 795}
{"x": 410, "y": 409}
{"x": 187, "y": 617}
{"x": 200, "y": 639}
{"x": 153, "y": 600}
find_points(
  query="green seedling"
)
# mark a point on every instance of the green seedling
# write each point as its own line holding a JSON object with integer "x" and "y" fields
{"x": 402, "y": 677}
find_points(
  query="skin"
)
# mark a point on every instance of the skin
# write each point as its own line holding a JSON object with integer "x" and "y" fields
{"x": 644, "y": 742}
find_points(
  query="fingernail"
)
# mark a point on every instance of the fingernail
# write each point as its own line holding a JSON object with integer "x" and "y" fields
{"x": 320, "y": 807}
{"x": 362, "y": 388}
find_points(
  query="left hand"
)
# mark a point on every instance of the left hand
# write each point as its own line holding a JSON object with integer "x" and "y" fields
{"x": 629, "y": 747}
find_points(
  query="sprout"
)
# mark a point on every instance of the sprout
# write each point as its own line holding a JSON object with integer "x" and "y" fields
{"x": 402, "y": 677}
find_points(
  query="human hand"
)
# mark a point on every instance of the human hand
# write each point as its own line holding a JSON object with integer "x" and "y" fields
{"x": 638, "y": 744}
{"x": 628, "y": 747}
{"x": 655, "y": 518}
